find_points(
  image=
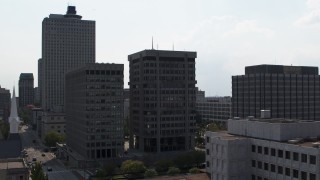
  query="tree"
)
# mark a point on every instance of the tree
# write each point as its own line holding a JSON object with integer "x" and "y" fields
{"x": 187, "y": 160}
{"x": 52, "y": 138}
{"x": 194, "y": 170}
{"x": 150, "y": 173}
{"x": 37, "y": 172}
{"x": 163, "y": 165}
{"x": 132, "y": 167}
{"x": 173, "y": 171}
{"x": 4, "y": 128}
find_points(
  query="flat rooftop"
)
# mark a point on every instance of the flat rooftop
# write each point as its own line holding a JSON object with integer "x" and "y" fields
{"x": 12, "y": 165}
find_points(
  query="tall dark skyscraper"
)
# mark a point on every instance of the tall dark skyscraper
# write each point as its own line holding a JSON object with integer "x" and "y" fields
{"x": 94, "y": 110}
{"x": 67, "y": 43}
{"x": 26, "y": 89}
{"x": 291, "y": 92}
{"x": 4, "y": 103}
{"x": 162, "y": 100}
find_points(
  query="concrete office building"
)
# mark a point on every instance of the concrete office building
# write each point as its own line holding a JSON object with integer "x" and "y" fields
{"x": 291, "y": 92}
{"x": 67, "y": 43}
{"x": 260, "y": 149}
{"x": 162, "y": 100}
{"x": 5, "y": 97}
{"x": 36, "y": 96}
{"x": 214, "y": 109}
{"x": 94, "y": 111}
{"x": 51, "y": 122}
{"x": 26, "y": 89}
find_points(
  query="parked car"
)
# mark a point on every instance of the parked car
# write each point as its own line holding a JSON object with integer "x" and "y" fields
{"x": 49, "y": 168}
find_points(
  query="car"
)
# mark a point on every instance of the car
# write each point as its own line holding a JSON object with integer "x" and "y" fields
{"x": 43, "y": 154}
{"x": 34, "y": 159}
{"x": 49, "y": 168}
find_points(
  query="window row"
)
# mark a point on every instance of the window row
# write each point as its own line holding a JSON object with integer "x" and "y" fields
{"x": 295, "y": 156}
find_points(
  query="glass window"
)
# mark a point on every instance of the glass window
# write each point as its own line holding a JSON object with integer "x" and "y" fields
{"x": 280, "y": 170}
{"x": 312, "y": 159}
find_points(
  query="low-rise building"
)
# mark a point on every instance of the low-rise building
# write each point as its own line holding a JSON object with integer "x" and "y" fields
{"x": 52, "y": 121}
{"x": 11, "y": 169}
{"x": 259, "y": 149}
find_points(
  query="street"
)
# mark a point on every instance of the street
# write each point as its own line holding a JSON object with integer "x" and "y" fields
{"x": 33, "y": 147}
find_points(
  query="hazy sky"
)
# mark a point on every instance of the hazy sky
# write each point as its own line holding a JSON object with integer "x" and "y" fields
{"x": 227, "y": 34}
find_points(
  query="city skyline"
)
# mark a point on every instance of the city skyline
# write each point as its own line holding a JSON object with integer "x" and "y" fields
{"x": 228, "y": 35}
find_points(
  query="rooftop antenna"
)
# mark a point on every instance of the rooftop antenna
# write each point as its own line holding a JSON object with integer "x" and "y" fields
{"x": 152, "y": 43}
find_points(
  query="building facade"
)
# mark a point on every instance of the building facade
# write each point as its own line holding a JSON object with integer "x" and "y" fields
{"x": 4, "y": 103}
{"x": 94, "y": 111}
{"x": 260, "y": 149}
{"x": 291, "y": 92}
{"x": 13, "y": 168}
{"x": 67, "y": 43}
{"x": 26, "y": 89}
{"x": 214, "y": 109}
{"x": 162, "y": 100}
{"x": 51, "y": 122}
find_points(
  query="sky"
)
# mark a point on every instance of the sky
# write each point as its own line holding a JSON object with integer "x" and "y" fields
{"x": 226, "y": 34}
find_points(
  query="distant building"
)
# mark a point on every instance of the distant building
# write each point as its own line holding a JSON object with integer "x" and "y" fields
{"x": 94, "y": 111}
{"x": 290, "y": 92}
{"x": 260, "y": 149}
{"x": 162, "y": 100}
{"x": 52, "y": 122}
{"x": 67, "y": 43}
{"x": 36, "y": 96}
{"x": 26, "y": 89}
{"x": 126, "y": 97}
{"x": 36, "y": 119}
{"x": 4, "y": 103}
{"x": 214, "y": 109}
{"x": 13, "y": 169}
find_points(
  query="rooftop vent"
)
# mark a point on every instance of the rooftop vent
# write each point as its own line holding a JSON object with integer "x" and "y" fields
{"x": 316, "y": 144}
{"x": 265, "y": 114}
{"x": 295, "y": 141}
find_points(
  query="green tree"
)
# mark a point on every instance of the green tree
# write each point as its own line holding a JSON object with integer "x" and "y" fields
{"x": 4, "y": 128}
{"x": 194, "y": 170}
{"x": 26, "y": 115}
{"x": 37, "y": 172}
{"x": 132, "y": 167}
{"x": 52, "y": 138}
{"x": 163, "y": 165}
{"x": 150, "y": 173}
{"x": 173, "y": 171}
{"x": 197, "y": 157}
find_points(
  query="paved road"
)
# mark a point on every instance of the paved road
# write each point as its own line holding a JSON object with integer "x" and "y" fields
{"x": 35, "y": 150}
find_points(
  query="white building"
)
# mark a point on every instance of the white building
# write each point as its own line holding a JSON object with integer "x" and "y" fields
{"x": 14, "y": 119}
{"x": 264, "y": 149}
{"x": 213, "y": 109}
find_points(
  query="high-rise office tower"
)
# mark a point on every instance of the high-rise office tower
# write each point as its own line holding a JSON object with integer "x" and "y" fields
{"x": 162, "y": 100}
{"x": 26, "y": 89}
{"x": 4, "y": 103}
{"x": 94, "y": 110}
{"x": 291, "y": 92}
{"x": 67, "y": 43}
